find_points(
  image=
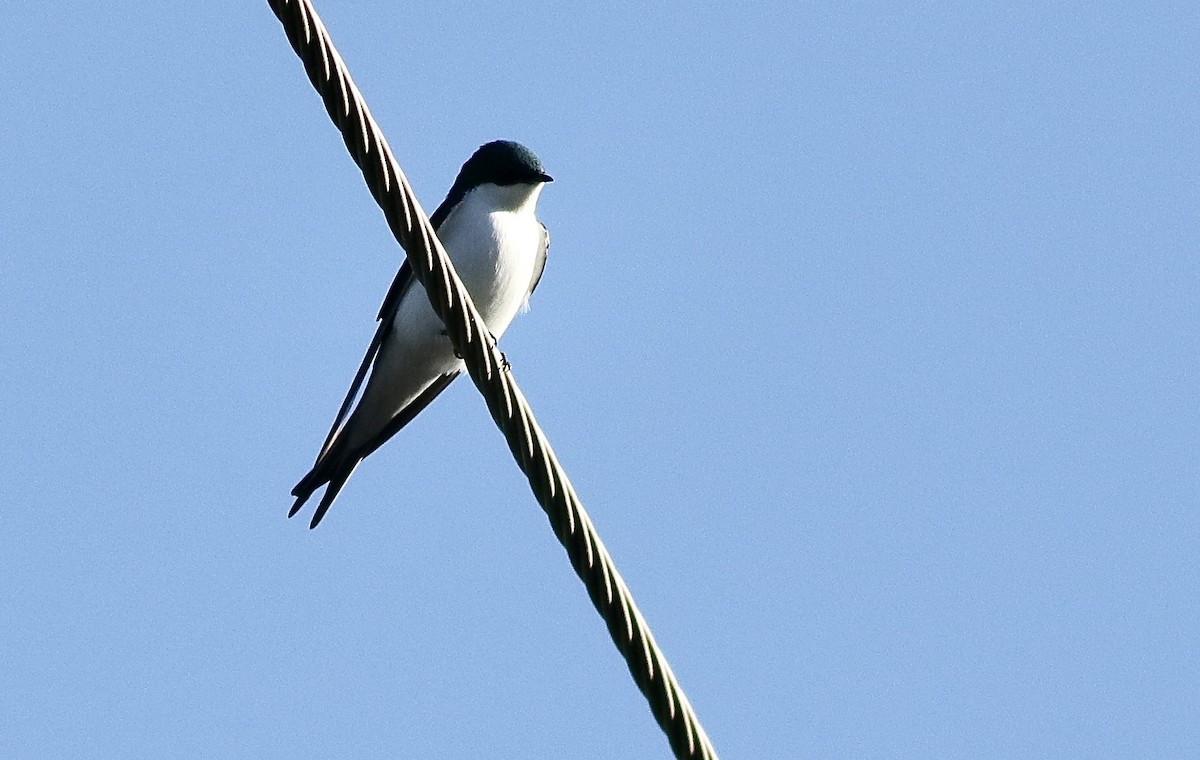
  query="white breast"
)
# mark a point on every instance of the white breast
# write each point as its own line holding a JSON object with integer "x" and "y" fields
{"x": 494, "y": 239}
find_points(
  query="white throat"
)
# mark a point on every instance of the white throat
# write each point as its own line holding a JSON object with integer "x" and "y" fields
{"x": 518, "y": 199}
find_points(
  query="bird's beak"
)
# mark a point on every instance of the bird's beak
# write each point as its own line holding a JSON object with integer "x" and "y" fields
{"x": 544, "y": 177}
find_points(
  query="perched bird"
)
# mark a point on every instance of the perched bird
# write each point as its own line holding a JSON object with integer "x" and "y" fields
{"x": 489, "y": 227}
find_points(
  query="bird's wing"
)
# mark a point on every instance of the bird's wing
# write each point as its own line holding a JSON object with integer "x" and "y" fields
{"x": 539, "y": 266}
{"x": 387, "y": 312}
{"x": 444, "y": 208}
{"x": 346, "y": 466}
{"x": 406, "y": 415}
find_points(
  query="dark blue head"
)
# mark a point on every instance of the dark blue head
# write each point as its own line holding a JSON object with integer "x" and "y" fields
{"x": 502, "y": 162}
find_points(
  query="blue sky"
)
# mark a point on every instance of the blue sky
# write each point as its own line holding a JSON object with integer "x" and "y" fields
{"x": 869, "y": 338}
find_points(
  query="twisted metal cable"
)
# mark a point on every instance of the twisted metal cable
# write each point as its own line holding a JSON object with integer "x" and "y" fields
{"x": 487, "y": 368}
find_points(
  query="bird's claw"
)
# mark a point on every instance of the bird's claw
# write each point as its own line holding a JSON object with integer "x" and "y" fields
{"x": 504, "y": 365}
{"x": 457, "y": 354}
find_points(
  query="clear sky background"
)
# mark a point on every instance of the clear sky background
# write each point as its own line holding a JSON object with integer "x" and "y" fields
{"x": 869, "y": 337}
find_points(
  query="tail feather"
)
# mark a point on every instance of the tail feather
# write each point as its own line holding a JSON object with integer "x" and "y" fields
{"x": 339, "y": 457}
{"x": 334, "y": 468}
{"x": 331, "y": 493}
{"x": 299, "y": 503}
{"x": 307, "y": 485}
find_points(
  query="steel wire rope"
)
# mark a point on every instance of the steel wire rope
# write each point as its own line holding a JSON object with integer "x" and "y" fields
{"x": 492, "y": 376}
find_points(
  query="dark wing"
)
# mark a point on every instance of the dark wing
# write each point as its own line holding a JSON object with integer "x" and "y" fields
{"x": 335, "y": 467}
{"x": 387, "y": 312}
{"x": 540, "y": 265}
{"x": 455, "y": 195}
{"x": 406, "y": 415}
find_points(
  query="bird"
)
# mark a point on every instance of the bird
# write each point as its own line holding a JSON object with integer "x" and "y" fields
{"x": 489, "y": 227}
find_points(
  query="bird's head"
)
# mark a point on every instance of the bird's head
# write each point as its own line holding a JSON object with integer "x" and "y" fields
{"x": 503, "y": 163}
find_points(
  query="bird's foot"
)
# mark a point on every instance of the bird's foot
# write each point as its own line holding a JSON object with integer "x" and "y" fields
{"x": 457, "y": 354}
{"x": 504, "y": 365}
{"x": 503, "y": 359}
